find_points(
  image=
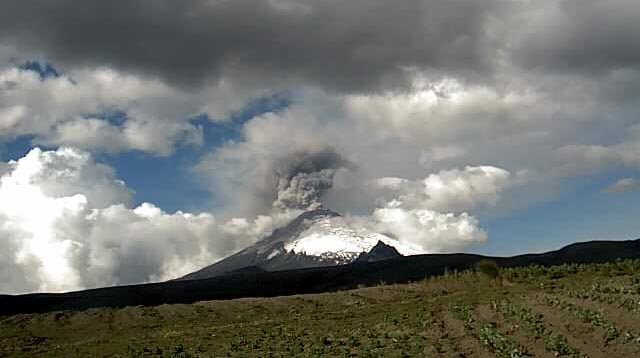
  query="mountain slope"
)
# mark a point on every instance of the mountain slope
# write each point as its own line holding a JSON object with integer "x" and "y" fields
{"x": 255, "y": 283}
{"x": 314, "y": 239}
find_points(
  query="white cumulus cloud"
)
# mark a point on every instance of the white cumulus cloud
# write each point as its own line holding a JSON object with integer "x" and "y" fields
{"x": 448, "y": 190}
{"x": 66, "y": 223}
{"x": 433, "y": 214}
{"x": 429, "y": 230}
{"x": 623, "y": 185}
{"x": 66, "y": 110}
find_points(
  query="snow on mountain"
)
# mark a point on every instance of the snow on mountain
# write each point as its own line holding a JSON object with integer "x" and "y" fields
{"x": 331, "y": 239}
{"x": 315, "y": 238}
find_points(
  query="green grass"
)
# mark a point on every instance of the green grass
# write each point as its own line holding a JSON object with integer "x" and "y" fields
{"x": 461, "y": 313}
{"x": 556, "y": 344}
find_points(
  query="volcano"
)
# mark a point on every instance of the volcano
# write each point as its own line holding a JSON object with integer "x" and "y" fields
{"x": 314, "y": 239}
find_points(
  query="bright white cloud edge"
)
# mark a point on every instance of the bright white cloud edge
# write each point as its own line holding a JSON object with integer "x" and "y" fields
{"x": 66, "y": 224}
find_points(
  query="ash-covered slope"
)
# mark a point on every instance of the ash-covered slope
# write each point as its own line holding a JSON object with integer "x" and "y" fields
{"x": 314, "y": 239}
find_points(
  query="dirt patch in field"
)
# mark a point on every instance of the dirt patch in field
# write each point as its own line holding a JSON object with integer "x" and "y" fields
{"x": 516, "y": 330}
{"x": 624, "y": 322}
{"x": 459, "y": 340}
{"x": 586, "y": 338}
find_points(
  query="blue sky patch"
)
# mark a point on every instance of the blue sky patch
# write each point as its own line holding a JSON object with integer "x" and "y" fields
{"x": 168, "y": 182}
{"x": 43, "y": 69}
{"x": 585, "y": 212}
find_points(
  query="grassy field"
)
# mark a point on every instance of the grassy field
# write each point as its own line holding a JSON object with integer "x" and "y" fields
{"x": 563, "y": 311}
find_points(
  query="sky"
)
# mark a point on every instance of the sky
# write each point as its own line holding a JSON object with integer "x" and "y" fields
{"x": 141, "y": 140}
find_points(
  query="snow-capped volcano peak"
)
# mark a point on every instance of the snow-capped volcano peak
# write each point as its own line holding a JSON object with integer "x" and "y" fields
{"x": 331, "y": 238}
{"x": 315, "y": 238}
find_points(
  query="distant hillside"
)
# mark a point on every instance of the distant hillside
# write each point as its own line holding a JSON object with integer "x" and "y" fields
{"x": 256, "y": 283}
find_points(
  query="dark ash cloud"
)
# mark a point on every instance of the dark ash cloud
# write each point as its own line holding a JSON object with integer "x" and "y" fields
{"x": 348, "y": 46}
{"x": 307, "y": 162}
{"x": 304, "y": 177}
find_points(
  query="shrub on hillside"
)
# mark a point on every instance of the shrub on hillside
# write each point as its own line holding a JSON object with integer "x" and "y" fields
{"x": 488, "y": 268}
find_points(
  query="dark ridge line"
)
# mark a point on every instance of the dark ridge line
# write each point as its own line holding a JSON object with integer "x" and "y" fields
{"x": 255, "y": 283}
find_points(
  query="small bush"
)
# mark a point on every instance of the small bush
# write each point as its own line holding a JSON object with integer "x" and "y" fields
{"x": 488, "y": 268}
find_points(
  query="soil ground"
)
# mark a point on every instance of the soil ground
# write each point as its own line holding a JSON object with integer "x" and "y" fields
{"x": 459, "y": 315}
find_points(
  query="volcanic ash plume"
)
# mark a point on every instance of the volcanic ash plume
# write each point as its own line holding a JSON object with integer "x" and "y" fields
{"x": 304, "y": 177}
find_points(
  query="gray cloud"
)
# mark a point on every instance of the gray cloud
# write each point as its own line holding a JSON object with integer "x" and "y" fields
{"x": 544, "y": 89}
{"x": 588, "y": 36}
{"x": 355, "y": 45}
{"x": 304, "y": 177}
{"x": 348, "y": 46}
{"x": 287, "y": 157}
